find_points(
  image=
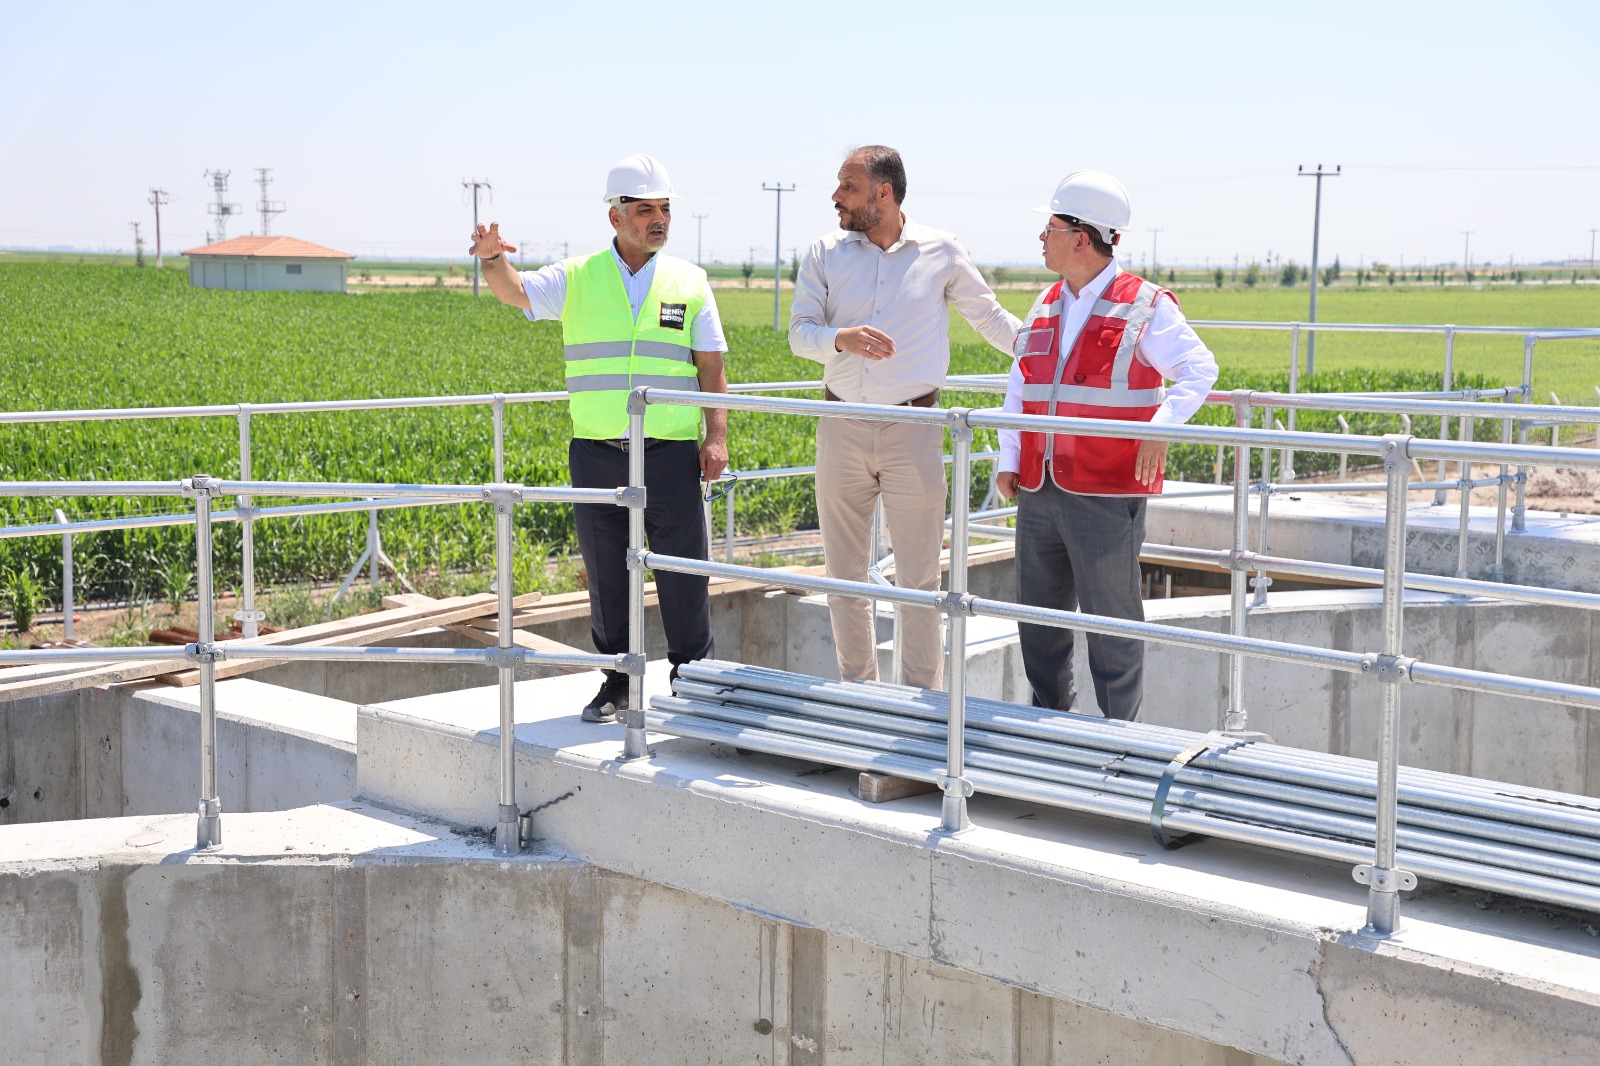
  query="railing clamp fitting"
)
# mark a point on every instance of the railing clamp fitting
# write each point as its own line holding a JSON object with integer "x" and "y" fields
{"x": 249, "y": 616}
{"x": 632, "y": 665}
{"x": 955, "y": 603}
{"x": 1239, "y": 559}
{"x": 502, "y": 496}
{"x": 1381, "y": 879}
{"x": 955, "y": 785}
{"x": 203, "y": 652}
{"x": 1391, "y": 669}
{"x": 636, "y": 559}
{"x": 201, "y": 485}
{"x": 636, "y": 401}
{"x": 504, "y": 658}
{"x": 630, "y": 496}
{"x": 956, "y": 418}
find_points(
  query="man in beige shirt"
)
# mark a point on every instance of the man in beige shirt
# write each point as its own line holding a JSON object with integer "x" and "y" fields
{"x": 870, "y": 305}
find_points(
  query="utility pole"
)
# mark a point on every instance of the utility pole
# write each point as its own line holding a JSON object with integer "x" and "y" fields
{"x": 1155, "y": 243}
{"x": 267, "y": 207}
{"x": 1591, "y": 249}
{"x": 699, "y": 233}
{"x": 1466, "y": 254}
{"x": 476, "y": 186}
{"x": 157, "y": 198}
{"x": 777, "y": 246}
{"x": 221, "y": 209}
{"x": 138, "y": 245}
{"x": 1316, "y": 239}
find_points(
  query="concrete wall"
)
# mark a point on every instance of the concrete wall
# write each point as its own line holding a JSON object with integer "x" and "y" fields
{"x": 103, "y": 753}
{"x": 448, "y": 957}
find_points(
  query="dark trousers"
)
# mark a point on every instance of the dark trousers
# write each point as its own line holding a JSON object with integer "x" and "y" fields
{"x": 1081, "y": 553}
{"x": 674, "y": 524}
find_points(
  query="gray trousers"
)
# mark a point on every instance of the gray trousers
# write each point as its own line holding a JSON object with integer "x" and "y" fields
{"x": 1081, "y": 553}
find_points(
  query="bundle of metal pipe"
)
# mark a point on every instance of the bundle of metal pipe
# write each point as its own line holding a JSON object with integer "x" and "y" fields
{"x": 1501, "y": 838}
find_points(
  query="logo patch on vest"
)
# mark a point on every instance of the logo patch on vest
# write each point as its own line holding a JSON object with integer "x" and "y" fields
{"x": 672, "y": 315}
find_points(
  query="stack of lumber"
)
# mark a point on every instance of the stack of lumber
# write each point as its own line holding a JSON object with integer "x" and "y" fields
{"x": 47, "y": 679}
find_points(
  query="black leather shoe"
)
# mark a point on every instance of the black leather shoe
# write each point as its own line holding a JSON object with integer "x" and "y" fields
{"x": 611, "y": 698}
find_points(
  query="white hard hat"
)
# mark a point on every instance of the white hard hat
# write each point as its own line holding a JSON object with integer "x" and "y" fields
{"x": 640, "y": 177}
{"x": 1095, "y": 197}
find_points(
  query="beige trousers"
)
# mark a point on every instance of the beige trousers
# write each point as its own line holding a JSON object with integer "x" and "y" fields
{"x": 857, "y": 462}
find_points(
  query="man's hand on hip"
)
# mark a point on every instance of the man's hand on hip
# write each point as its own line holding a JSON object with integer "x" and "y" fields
{"x": 1009, "y": 483}
{"x": 1151, "y": 462}
{"x": 865, "y": 341}
{"x": 713, "y": 460}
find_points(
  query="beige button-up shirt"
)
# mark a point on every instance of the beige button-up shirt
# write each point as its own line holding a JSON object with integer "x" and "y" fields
{"x": 846, "y": 280}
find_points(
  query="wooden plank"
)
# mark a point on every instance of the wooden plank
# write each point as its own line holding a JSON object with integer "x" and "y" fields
{"x": 530, "y": 641}
{"x": 881, "y": 788}
{"x": 443, "y": 614}
{"x": 417, "y": 599}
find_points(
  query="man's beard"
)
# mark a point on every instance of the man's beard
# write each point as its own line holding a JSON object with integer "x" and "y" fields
{"x": 860, "y": 221}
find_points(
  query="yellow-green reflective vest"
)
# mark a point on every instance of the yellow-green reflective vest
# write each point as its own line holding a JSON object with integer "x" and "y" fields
{"x": 609, "y": 352}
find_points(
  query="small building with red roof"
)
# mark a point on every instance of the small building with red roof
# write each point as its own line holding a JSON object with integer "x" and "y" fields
{"x": 257, "y": 264}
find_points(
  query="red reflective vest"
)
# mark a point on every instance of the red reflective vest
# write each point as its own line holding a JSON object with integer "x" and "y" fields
{"x": 1101, "y": 377}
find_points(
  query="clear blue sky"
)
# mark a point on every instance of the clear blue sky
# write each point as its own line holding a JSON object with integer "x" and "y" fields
{"x": 1445, "y": 116}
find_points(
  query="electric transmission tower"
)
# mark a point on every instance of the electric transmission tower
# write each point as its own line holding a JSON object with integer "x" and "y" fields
{"x": 267, "y": 207}
{"x": 138, "y": 245}
{"x": 475, "y": 185}
{"x": 157, "y": 198}
{"x": 222, "y": 208}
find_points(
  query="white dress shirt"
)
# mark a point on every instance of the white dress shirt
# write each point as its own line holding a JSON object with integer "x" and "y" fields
{"x": 547, "y": 297}
{"x": 1168, "y": 345}
{"x": 846, "y": 280}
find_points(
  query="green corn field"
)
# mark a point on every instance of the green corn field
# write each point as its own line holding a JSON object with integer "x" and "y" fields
{"x": 102, "y": 336}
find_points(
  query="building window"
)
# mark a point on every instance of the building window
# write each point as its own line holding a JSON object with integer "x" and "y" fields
{"x": 294, "y": 268}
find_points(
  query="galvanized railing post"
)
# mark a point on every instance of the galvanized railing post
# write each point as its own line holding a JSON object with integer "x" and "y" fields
{"x": 507, "y": 833}
{"x": 1384, "y": 880}
{"x": 1465, "y": 485}
{"x": 66, "y": 578}
{"x": 1287, "y": 472}
{"x": 374, "y": 548}
{"x": 1444, "y": 420}
{"x": 1520, "y": 516}
{"x": 1497, "y": 569}
{"x": 498, "y": 408}
{"x": 633, "y": 742}
{"x": 955, "y": 785}
{"x": 208, "y": 832}
{"x": 246, "y": 615}
{"x": 728, "y": 523}
{"x": 1236, "y": 720}
{"x": 1263, "y": 581}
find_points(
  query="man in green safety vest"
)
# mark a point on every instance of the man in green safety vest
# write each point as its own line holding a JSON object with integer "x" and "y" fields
{"x": 631, "y": 316}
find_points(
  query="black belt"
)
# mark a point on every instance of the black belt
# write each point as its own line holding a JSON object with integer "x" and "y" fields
{"x": 925, "y": 400}
{"x": 621, "y": 445}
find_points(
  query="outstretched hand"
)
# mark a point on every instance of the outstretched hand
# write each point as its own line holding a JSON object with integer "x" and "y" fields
{"x": 487, "y": 242}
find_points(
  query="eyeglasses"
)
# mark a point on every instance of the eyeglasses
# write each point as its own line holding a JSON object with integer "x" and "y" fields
{"x": 1049, "y": 229}
{"x": 718, "y": 489}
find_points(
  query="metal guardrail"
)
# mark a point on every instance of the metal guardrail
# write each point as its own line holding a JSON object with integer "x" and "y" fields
{"x": 1389, "y": 666}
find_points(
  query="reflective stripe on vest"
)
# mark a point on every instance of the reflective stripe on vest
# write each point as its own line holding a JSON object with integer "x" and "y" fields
{"x": 1096, "y": 374}
{"x": 610, "y": 352}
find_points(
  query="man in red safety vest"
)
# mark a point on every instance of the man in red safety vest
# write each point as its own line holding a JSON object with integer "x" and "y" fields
{"x": 1100, "y": 343}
